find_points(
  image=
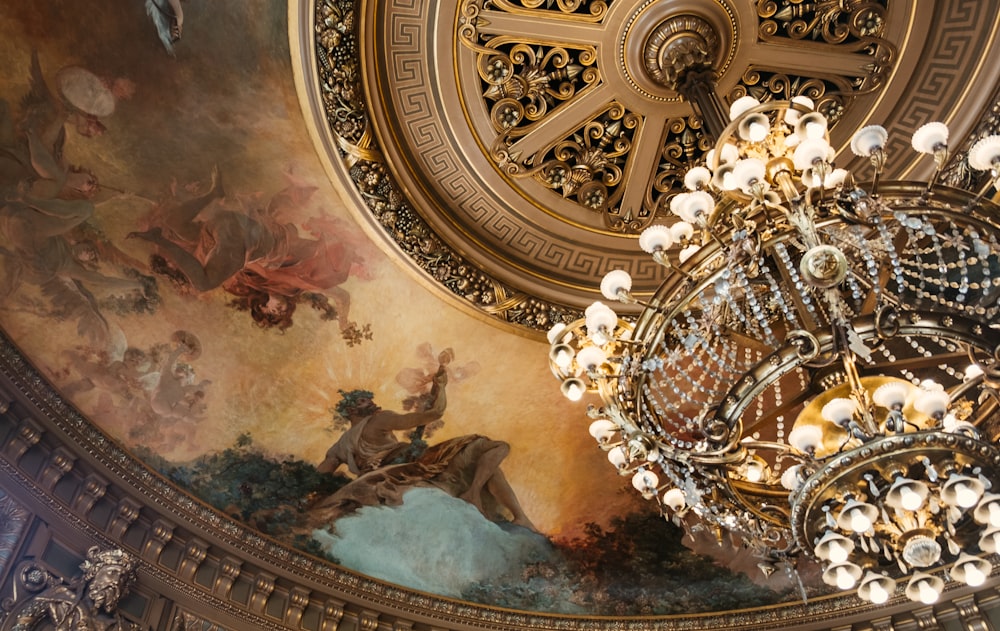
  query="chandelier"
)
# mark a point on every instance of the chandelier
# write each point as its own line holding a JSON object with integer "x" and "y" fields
{"x": 818, "y": 375}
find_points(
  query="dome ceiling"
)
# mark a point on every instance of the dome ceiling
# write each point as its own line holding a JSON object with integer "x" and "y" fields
{"x": 535, "y": 140}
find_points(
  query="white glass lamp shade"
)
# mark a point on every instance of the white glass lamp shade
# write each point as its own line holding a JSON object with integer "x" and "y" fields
{"x": 833, "y": 547}
{"x": 688, "y": 252}
{"x": 962, "y": 491}
{"x": 985, "y": 154}
{"x": 602, "y": 430}
{"x": 555, "y": 334}
{"x": 811, "y": 126}
{"x": 924, "y": 588}
{"x": 933, "y": 403}
{"x": 697, "y": 178}
{"x": 906, "y": 494}
{"x": 839, "y": 411}
{"x": 988, "y": 510}
{"x": 809, "y": 152}
{"x": 892, "y": 395}
{"x": 645, "y": 482}
{"x": 835, "y": 178}
{"x": 857, "y": 516}
{"x": 790, "y": 478}
{"x": 989, "y": 542}
{"x": 756, "y": 470}
{"x": 971, "y": 570}
{"x": 696, "y": 206}
{"x": 681, "y": 231}
{"x": 754, "y": 127}
{"x": 869, "y": 140}
{"x": 561, "y": 355}
{"x": 747, "y": 173}
{"x": 723, "y": 178}
{"x": 590, "y": 358}
{"x": 876, "y": 588}
{"x": 674, "y": 499}
{"x": 742, "y": 105}
{"x": 655, "y": 238}
{"x": 792, "y": 114}
{"x": 616, "y": 284}
{"x": 573, "y": 388}
{"x": 618, "y": 457}
{"x": 600, "y": 317}
{"x": 930, "y": 138}
{"x": 806, "y": 438}
{"x": 842, "y": 575}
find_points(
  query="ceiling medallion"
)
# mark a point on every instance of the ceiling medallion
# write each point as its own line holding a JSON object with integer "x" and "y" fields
{"x": 504, "y": 176}
{"x": 526, "y": 84}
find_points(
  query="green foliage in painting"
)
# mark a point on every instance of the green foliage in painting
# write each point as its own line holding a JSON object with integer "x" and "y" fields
{"x": 268, "y": 493}
{"x": 636, "y": 566}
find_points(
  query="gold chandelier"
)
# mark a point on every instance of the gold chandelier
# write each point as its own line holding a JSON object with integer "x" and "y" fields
{"x": 819, "y": 374}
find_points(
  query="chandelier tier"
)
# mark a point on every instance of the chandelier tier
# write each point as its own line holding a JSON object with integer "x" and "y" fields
{"x": 819, "y": 375}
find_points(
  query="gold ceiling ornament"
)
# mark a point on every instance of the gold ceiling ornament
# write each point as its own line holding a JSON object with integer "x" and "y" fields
{"x": 820, "y": 376}
{"x": 526, "y": 84}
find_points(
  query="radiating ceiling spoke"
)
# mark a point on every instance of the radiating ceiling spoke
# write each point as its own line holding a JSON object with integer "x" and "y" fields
{"x": 642, "y": 164}
{"x": 528, "y": 28}
{"x": 564, "y": 121}
{"x": 810, "y": 61}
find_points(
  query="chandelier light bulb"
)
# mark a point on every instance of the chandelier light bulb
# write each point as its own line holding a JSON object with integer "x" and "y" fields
{"x": 892, "y": 395}
{"x": 697, "y": 178}
{"x": 857, "y": 516}
{"x": 869, "y": 140}
{"x": 790, "y": 478}
{"x": 655, "y": 238}
{"x": 839, "y": 411}
{"x": 971, "y": 570}
{"x": 602, "y": 430}
{"x": 695, "y": 206}
{"x": 556, "y": 332}
{"x": 924, "y": 588}
{"x": 688, "y": 252}
{"x": 931, "y": 138}
{"x": 876, "y": 588}
{"x": 962, "y": 491}
{"x": 616, "y": 285}
{"x": 681, "y": 231}
{"x": 742, "y": 105}
{"x": 754, "y": 127}
{"x": 591, "y": 358}
{"x": 561, "y": 355}
{"x": 810, "y": 153}
{"x": 755, "y": 470}
{"x": 842, "y": 575}
{"x": 674, "y": 499}
{"x": 806, "y": 438}
{"x": 618, "y": 457}
{"x": 909, "y": 499}
{"x": 573, "y": 388}
{"x": 811, "y": 126}
{"x": 906, "y": 494}
{"x": 749, "y": 175}
{"x": 933, "y": 403}
{"x": 985, "y": 154}
{"x": 989, "y": 542}
{"x": 833, "y": 547}
{"x": 988, "y": 511}
{"x": 792, "y": 115}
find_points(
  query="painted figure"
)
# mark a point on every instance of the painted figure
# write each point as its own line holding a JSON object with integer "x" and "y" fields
{"x": 263, "y": 262}
{"x": 467, "y": 467}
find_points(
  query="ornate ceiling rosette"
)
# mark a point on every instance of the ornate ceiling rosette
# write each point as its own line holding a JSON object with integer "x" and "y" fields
{"x": 514, "y": 149}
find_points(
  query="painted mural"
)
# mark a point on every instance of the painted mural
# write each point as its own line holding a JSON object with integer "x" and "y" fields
{"x": 174, "y": 258}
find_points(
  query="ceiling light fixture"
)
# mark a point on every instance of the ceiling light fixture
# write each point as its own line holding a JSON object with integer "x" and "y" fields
{"x": 799, "y": 380}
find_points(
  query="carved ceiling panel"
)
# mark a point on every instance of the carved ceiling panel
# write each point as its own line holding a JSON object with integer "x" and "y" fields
{"x": 524, "y": 144}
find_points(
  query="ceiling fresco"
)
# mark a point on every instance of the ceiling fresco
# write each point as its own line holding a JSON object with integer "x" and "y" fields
{"x": 209, "y": 248}
{"x": 176, "y": 261}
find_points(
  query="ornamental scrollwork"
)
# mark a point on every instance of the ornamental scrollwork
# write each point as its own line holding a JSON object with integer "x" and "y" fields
{"x": 588, "y": 10}
{"x": 831, "y": 95}
{"x": 856, "y": 26}
{"x": 349, "y": 121}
